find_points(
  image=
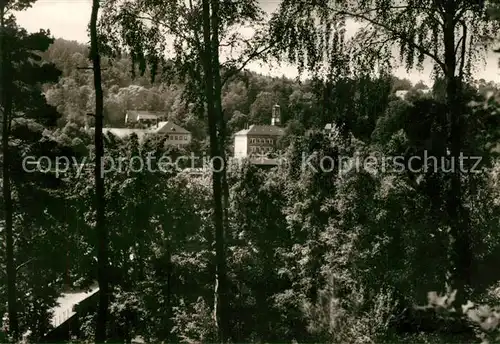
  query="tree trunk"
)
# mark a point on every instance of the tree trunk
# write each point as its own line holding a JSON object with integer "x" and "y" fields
{"x": 220, "y": 309}
{"x": 221, "y": 291}
{"x": 102, "y": 234}
{"x": 219, "y": 111}
{"x": 168, "y": 290}
{"x": 6, "y": 99}
{"x": 461, "y": 239}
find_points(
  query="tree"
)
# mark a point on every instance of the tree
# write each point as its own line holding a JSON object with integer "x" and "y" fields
{"x": 213, "y": 112}
{"x": 401, "y": 84}
{"x": 6, "y": 99}
{"x": 433, "y": 36}
{"x": 20, "y": 75}
{"x": 219, "y": 22}
{"x": 261, "y": 108}
{"x": 420, "y": 86}
{"x": 237, "y": 122}
{"x": 354, "y": 103}
{"x": 293, "y": 130}
{"x": 100, "y": 224}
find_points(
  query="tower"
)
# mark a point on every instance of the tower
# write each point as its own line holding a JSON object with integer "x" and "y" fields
{"x": 276, "y": 118}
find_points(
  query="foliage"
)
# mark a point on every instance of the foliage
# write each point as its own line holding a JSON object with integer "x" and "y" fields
{"x": 334, "y": 251}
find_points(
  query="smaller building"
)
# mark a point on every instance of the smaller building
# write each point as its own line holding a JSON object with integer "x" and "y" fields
{"x": 176, "y": 135}
{"x": 144, "y": 117}
{"x": 330, "y": 130}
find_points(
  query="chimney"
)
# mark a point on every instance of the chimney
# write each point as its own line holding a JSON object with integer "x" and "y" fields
{"x": 275, "y": 120}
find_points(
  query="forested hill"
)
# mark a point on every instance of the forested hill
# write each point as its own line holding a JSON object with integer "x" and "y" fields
{"x": 247, "y": 98}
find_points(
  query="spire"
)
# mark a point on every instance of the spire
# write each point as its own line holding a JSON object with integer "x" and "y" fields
{"x": 276, "y": 118}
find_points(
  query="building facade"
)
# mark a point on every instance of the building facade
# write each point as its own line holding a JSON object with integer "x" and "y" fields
{"x": 175, "y": 135}
{"x": 258, "y": 140}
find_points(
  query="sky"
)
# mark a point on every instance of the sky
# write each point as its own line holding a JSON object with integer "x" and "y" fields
{"x": 68, "y": 19}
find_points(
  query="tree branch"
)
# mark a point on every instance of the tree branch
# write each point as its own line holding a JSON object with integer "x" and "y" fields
{"x": 462, "y": 53}
{"x": 396, "y": 34}
{"x": 169, "y": 27}
{"x": 24, "y": 264}
{"x": 249, "y": 59}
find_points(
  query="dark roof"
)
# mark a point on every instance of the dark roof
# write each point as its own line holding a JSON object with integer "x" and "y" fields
{"x": 272, "y": 130}
{"x": 132, "y": 115}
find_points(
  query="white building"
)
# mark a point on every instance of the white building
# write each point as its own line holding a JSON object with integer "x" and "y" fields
{"x": 175, "y": 135}
{"x": 258, "y": 140}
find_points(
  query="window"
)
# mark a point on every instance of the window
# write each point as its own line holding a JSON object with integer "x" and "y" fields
{"x": 185, "y": 137}
{"x": 269, "y": 141}
{"x": 252, "y": 140}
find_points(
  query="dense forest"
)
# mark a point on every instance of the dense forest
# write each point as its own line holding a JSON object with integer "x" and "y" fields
{"x": 247, "y": 99}
{"x": 286, "y": 254}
